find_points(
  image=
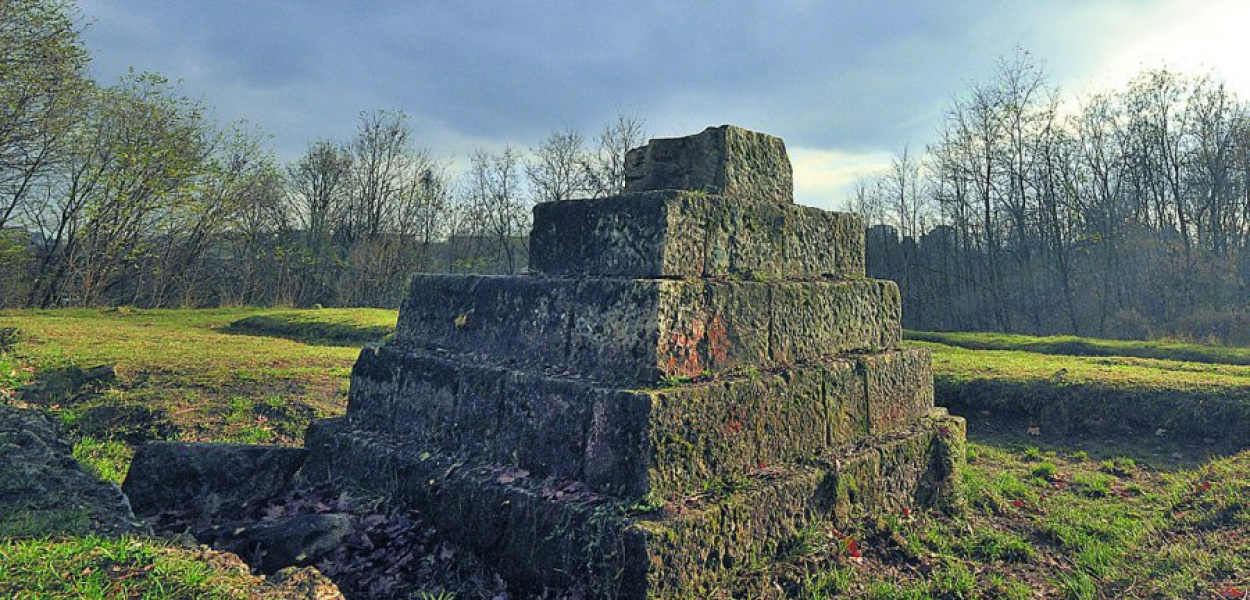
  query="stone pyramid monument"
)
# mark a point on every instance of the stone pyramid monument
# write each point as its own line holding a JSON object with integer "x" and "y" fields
{"x": 696, "y": 371}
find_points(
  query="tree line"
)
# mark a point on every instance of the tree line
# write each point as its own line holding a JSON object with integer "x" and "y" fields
{"x": 1123, "y": 214}
{"x": 131, "y": 194}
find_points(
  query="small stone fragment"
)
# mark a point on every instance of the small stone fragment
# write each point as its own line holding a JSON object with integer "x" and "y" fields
{"x": 280, "y": 543}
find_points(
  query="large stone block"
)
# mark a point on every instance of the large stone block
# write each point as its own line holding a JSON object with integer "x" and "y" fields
{"x": 727, "y": 160}
{"x": 685, "y": 234}
{"x": 539, "y": 533}
{"x": 491, "y": 413}
{"x": 206, "y": 480}
{"x": 644, "y": 331}
{"x": 636, "y": 442}
{"x": 899, "y": 387}
{"x": 806, "y": 318}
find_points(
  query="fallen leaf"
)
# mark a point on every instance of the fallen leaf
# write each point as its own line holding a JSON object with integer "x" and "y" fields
{"x": 512, "y": 475}
{"x": 852, "y": 549}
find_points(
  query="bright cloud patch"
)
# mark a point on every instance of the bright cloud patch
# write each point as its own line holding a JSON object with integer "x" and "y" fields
{"x": 825, "y": 178}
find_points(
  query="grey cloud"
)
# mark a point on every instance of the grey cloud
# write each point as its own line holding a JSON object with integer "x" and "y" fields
{"x": 853, "y": 76}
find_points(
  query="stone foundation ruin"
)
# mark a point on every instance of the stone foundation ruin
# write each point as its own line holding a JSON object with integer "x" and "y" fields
{"x": 696, "y": 372}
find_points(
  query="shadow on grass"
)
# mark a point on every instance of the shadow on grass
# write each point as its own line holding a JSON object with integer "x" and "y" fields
{"x": 299, "y": 328}
{"x": 1158, "y": 452}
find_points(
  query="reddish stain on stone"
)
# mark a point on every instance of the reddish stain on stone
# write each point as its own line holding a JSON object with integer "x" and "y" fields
{"x": 718, "y": 341}
{"x": 683, "y": 351}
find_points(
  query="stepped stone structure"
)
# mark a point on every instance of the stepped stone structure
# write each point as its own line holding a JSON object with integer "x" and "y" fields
{"x": 696, "y": 371}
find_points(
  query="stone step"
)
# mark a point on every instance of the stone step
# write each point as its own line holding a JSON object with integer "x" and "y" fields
{"x": 642, "y": 331}
{"x": 548, "y": 533}
{"x": 689, "y": 234}
{"x": 643, "y": 441}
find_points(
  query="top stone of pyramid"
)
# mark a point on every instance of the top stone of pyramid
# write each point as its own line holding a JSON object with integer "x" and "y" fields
{"x": 727, "y": 161}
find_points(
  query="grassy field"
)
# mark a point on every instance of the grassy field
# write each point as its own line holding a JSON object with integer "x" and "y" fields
{"x": 1048, "y": 516}
{"x": 207, "y": 375}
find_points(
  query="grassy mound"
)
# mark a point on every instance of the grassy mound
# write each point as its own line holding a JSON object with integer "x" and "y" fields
{"x": 329, "y": 326}
{"x": 1071, "y": 345}
{"x": 1114, "y": 395}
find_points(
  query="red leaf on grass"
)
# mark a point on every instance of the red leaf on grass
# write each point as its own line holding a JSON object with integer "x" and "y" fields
{"x": 1018, "y": 503}
{"x": 852, "y": 549}
{"x": 1231, "y": 593}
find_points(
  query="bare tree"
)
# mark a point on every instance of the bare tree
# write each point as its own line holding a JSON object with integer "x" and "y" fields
{"x": 500, "y": 209}
{"x": 606, "y": 171}
{"x": 381, "y": 156}
{"x": 319, "y": 185}
{"x": 559, "y": 168}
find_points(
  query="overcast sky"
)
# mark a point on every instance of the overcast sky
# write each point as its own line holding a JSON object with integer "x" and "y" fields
{"x": 846, "y": 84}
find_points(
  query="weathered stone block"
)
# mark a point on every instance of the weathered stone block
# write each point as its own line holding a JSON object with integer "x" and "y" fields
{"x": 810, "y": 320}
{"x": 684, "y": 234}
{"x": 41, "y": 483}
{"x": 643, "y": 331}
{"x": 538, "y": 537}
{"x": 635, "y": 442}
{"x": 900, "y": 387}
{"x": 727, "y": 160}
{"x": 486, "y": 412}
{"x": 205, "y": 480}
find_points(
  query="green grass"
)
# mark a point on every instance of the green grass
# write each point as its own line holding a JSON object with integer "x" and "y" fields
{"x": 1070, "y": 345}
{"x": 91, "y": 568}
{"x": 962, "y": 364}
{"x": 1043, "y": 520}
{"x": 106, "y": 459}
{"x": 1154, "y": 535}
{"x": 191, "y": 369}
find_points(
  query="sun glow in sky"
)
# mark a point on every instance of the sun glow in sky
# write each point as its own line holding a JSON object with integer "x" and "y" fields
{"x": 1191, "y": 37}
{"x": 846, "y": 84}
